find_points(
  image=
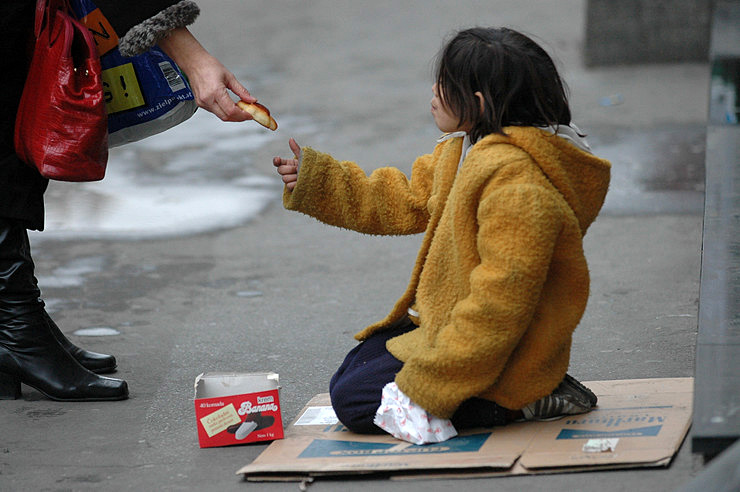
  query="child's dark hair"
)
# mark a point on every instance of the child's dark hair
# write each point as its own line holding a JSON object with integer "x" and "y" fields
{"x": 517, "y": 78}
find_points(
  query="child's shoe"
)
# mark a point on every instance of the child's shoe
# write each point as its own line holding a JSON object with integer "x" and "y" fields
{"x": 569, "y": 398}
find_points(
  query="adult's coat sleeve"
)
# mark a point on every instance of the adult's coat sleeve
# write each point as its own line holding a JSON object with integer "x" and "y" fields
{"x": 141, "y": 24}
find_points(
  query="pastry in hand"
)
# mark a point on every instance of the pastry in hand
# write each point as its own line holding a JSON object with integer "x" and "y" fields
{"x": 260, "y": 114}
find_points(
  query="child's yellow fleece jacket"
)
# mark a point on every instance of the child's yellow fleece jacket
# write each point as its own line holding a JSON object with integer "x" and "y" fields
{"x": 500, "y": 281}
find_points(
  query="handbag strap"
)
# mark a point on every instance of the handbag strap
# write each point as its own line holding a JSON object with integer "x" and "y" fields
{"x": 46, "y": 11}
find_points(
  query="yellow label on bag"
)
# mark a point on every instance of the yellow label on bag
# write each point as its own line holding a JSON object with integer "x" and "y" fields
{"x": 103, "y": 33}
{"x": 121, "y": 88}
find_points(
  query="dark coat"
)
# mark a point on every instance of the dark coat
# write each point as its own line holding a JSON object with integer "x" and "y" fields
{"x": 22, "y": 187}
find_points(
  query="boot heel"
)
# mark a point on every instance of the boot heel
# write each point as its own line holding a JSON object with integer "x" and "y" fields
{"x": 10, "y": 387}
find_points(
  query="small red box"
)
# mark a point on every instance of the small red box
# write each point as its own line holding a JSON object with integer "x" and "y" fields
{"x": 237, "y": 408}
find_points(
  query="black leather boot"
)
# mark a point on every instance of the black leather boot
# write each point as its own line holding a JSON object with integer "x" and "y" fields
{"x": 29, "y": 350}
{"x": 30, "y": 354}
{"x": 93, "y": 361}
{"x": 22, "y": 288}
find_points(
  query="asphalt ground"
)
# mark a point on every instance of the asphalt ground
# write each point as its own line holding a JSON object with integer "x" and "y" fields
{"x": 285, "y": 293}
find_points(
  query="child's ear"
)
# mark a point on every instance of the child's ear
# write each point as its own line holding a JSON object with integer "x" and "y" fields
{"x": 481, "y": 100}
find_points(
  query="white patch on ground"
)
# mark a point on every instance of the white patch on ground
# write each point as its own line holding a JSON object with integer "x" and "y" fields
{"x": 191, "y": 179}
{"x": 98, "y": 331}
{"x": 73, "y": 273}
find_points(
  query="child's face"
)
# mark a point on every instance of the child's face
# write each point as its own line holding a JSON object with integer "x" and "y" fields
{"x": 445, "y": 119}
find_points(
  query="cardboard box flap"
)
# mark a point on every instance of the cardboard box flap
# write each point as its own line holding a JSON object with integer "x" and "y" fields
{"x": 636, "y": 421}
{"x": 218, "y": 384}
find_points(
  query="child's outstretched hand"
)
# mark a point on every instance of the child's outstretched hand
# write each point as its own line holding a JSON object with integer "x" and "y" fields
{"x": 288, "y": 168}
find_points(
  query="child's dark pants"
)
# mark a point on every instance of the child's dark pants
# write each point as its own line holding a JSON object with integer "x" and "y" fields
{"x": 357, "y": 386}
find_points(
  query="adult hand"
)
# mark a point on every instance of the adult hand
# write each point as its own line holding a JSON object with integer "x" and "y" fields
{"x": 208, "y": 77}
{"x": 288, "y": 168}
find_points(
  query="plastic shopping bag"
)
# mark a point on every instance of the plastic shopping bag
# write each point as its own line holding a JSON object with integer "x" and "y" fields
{"x": 145, "y": 94}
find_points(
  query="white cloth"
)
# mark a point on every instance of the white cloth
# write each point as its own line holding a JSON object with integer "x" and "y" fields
{"x": 570, "y": 133}
{"x": 467, "y": 144}
{"x": 405, "y": 420}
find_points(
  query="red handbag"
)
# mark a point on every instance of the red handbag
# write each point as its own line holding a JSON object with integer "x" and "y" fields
{"x": 61, "y": 127}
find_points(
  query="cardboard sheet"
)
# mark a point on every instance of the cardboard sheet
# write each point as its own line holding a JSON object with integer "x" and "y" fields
{"x": 638, "y": 423}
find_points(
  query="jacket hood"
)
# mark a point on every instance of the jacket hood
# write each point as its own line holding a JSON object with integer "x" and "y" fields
{"x": 581, "y": 177}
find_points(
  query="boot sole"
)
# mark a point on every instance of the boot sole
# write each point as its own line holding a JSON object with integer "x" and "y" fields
{"x": 10, "y": 389}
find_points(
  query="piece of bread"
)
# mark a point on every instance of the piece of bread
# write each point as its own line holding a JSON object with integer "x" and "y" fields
{"x": 260, "y": 114}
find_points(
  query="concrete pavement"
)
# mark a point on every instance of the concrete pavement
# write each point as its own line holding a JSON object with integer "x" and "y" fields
{"x": 354, "y": 79}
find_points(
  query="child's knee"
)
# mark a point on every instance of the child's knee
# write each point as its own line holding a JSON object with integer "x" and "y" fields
{"x": 353, "y": 408}
{"x": 358, "y": 419}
